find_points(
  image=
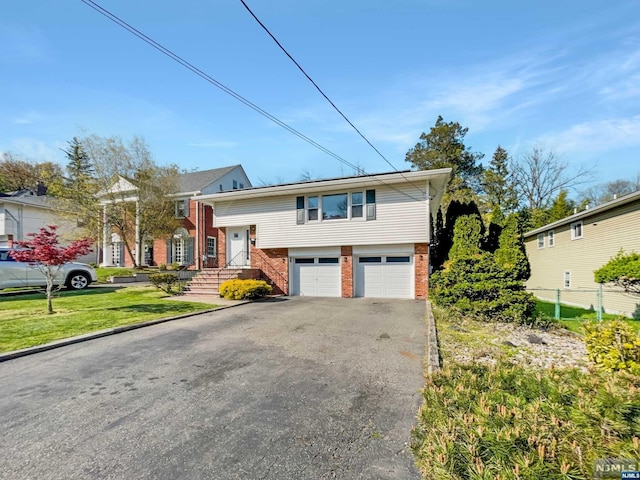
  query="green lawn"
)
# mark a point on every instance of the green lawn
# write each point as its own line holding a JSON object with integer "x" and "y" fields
{"x": 25, "y": 323}
{"x": 572, "y": 318}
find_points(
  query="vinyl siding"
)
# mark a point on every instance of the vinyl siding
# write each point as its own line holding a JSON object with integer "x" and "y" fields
{"x": 399, "y": 219}
{"x": 604, "y": 234}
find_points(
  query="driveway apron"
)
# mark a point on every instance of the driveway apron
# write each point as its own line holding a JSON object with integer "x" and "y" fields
{"x": 292, "y": 388}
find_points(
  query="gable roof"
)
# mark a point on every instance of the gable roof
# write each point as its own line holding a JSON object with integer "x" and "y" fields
{"x": 603, "y": 207}
{"x": 42, "y": 201}
{"x": 199, "y": 180}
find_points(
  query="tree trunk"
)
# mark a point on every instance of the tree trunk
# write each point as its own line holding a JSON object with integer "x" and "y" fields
{"x": 50, "y": 296}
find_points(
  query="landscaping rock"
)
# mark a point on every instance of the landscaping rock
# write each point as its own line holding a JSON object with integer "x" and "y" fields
{"x": 384, "y": 336}
{"x": 509, "y": 344}
{"x": 535, "y": 339}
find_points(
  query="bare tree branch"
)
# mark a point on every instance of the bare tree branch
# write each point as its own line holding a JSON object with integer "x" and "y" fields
{"x": 540, "y": 175}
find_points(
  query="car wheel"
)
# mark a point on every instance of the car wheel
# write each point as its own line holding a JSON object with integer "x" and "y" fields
{"x": 78, "y": 281}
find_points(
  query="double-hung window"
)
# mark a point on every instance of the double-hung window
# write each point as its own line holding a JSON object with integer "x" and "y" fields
{"x": 182, "y": 208}
{"x": 211, "y": 247}
{"x": 552, "y": 238}
{"x": 356, "y": 204}
{"x": 312, "y": 209}
{"x": 576, "y": 230}
{"x": 541, "y": 240}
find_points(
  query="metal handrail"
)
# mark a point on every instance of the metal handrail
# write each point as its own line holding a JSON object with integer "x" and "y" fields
{"x": 273, "y": 271}
{"x": 241, "y": 254}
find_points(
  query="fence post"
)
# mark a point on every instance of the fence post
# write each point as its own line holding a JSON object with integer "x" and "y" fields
{"x": 557, "y": 316}
{"x": 600, "y": 302}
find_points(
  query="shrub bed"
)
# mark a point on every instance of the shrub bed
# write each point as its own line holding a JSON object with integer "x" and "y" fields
{"x": 509, "y": 422}
{"x": 244, "y": 289}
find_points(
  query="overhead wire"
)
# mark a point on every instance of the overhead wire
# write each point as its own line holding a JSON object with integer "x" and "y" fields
{"x": 175, "y": 57}
{"x": 335, "y": 107}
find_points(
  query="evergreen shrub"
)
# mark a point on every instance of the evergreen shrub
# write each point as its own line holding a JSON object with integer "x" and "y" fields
{"x": 167, "y": 282}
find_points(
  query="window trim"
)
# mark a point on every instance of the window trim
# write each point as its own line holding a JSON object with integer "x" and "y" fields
{"x": 215, "y": 246}
{"x": 305, "y": 212}
{"x": 574, "y": 227}
{"x": 347, "y": 213}
{"x": 540, "y": 240}
{"x": 185, "y": 208}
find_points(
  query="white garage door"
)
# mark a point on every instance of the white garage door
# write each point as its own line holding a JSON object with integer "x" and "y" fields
{"x": 385, "y": 276}
{"x": 317, "y": 277}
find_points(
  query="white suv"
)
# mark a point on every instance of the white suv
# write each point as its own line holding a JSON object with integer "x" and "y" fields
{"x": 21, "y": 274}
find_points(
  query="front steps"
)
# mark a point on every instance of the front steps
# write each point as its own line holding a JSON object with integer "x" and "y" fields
{"x": 207, "y": 281}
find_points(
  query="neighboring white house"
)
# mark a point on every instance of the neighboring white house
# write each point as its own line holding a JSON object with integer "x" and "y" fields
{"x": 362, "y": 236}
{"x": 26, "y": 212}
{"x": 564, "y": 255}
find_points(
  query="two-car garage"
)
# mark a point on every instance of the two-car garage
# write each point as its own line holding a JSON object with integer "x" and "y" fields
{"x": 377, "y": 272}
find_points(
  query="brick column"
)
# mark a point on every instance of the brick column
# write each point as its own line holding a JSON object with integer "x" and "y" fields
{"x": 346, "y": 259}
{"x": 222, "y": 246}
{"x": 421, "y": 261}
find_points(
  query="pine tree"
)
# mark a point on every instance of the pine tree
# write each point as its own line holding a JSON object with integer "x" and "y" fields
{"x": 443, "y": 147}
{"x": 500, "y": 191}
{"x": 511, "y": 255}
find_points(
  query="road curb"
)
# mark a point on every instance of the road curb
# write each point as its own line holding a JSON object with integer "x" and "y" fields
{"x": 433, "y": 351}
{"x": 103, "y": 333}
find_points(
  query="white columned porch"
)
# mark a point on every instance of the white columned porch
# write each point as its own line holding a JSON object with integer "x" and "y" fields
{"x": 107, "y": 256}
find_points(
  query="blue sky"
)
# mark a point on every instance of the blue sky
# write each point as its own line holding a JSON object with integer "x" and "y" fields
{"x": 560, "y": 75}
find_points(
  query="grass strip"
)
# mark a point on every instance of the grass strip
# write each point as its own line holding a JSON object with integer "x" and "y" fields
{"x": 25, "y": 323}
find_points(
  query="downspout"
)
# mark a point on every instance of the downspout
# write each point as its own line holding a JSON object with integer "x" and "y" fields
{"x": 197, "y": 252}
{"x": 429, "y": 232}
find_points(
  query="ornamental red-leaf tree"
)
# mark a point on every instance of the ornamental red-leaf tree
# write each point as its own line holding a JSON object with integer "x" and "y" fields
{"x": 44, "y": 252}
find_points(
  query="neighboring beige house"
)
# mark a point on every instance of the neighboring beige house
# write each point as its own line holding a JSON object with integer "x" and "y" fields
{"x": 564, "y": 255}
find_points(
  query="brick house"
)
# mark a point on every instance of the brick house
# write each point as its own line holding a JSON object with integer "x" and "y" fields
{"x": 360, "y": 236}
{"x": 194, "y": 243}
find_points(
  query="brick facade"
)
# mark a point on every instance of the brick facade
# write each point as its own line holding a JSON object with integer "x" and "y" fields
{"x": 222, "y": 246}
{"x": 274, "y": 264}
{"x": 421, "y": 261}
{"x": 346, "y": 259}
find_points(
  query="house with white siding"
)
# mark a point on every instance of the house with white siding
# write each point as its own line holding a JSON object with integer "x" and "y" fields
{"x": 27, "y": 212}
{"x": 564, "y": 255}
{"x": 359, "y": 236}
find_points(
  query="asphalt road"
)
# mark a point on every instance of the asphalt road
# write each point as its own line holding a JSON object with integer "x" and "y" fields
{"x": 290, "y": 389}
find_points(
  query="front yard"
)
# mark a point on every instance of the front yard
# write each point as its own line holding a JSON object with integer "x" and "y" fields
{"x": 25, "y": 323}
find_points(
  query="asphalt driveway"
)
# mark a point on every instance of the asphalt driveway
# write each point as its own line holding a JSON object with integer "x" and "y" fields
{"x": 290, "y": 389}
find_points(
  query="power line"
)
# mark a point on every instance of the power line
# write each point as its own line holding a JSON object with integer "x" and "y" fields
{"x": 175, "y": 57}
{"x": 322, "y": 92}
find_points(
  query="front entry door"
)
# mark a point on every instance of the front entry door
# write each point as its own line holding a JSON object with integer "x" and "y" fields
{"x": 238, "y": 247}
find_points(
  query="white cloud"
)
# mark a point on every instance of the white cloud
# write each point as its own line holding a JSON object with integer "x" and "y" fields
{"x": 37, "y": 150}
{"x": 600, "y": 135}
